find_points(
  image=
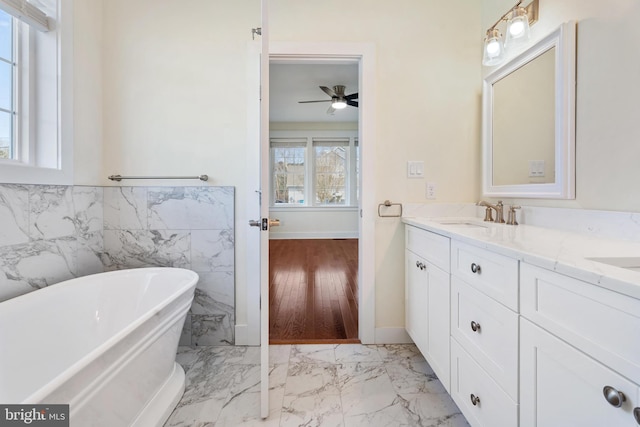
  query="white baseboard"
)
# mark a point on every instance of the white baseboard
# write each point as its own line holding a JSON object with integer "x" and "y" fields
{"x": 392, "y": 336}
{"x": 313, "y": 235}
{"x": 241, "y": 335}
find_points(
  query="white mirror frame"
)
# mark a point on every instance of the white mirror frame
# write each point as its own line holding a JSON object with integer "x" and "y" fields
{"x": 564, "y": 40}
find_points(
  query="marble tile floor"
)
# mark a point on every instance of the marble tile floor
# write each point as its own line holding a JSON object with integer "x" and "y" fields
{"x": 313, "y": 385}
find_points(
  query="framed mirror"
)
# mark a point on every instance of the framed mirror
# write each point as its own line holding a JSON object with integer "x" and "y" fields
{"x": 528, "y": 121}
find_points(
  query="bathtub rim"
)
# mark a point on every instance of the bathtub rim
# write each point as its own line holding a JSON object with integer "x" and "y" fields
{"x": 188, "y": 286}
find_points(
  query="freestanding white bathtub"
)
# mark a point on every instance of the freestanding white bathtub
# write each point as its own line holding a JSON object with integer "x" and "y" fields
{"x": 104, "y": 344}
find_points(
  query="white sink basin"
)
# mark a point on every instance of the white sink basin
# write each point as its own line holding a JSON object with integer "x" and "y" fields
{"x": 628, "y": 263}
{"x": 466, "y": 223}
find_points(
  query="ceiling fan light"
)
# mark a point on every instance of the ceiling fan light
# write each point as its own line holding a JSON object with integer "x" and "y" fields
{"x": 339, "y": 104}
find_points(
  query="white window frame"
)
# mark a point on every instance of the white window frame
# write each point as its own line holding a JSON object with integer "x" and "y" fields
{"x": 12, "y": 61}
{"x": 293, "y": 142}
{"x": 44, "y": 131}
{"x": 351, "y": 183}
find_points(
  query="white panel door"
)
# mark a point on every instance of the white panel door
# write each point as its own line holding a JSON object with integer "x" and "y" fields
{"x": 264, "y": 215}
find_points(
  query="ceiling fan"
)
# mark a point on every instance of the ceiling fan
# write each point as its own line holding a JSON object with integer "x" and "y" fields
{"x": 338, "y": 99}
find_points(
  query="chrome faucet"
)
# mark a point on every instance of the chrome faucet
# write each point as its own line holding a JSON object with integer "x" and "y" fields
{"x": 498, "y": 207}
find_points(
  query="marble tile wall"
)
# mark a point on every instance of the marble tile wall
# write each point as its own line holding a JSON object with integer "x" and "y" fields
{"x": 186, "y": 227}
{"x": 49, "y": 234}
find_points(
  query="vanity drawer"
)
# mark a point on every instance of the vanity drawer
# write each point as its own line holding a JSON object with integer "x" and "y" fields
{"x": 488, "y": 331}
{"x": 602, "y": 323}
{"x": 469, "y": 381}
{"x": 430, "y": 246}
{"x": 492, "y": 274}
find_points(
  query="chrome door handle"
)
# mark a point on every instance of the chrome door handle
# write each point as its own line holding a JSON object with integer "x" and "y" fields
{"x": 636, "y": 414}
{"x": 613, "y": 396}
{"x": 475, "y": 327}
{"x": 263, "y": 223}
{"x": 475, "y": 268}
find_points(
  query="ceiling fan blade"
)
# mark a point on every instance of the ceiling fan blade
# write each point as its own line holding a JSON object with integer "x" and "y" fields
{"x": 352, "y": 96}
{"x": 331, "y": 110}
{"x": 328, "y": 91}
{"x": 352, "y": 103}
{"x": 307, "y": 102}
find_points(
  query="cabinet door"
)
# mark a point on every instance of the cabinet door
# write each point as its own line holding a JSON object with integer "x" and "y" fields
{"x": 427, "y": 312}
{"x": 561, "y": 386}
{"x": 438, "y": 310}
{"x": 415, "y": 299}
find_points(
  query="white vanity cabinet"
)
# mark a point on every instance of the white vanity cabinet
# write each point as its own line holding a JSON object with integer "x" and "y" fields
{"x": 427, "y": 297}
{"x": 576, "y": 341}
{"x": 528, "y": 346}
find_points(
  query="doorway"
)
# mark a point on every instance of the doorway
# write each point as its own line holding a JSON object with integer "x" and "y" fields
{"x": 314, "y": 161}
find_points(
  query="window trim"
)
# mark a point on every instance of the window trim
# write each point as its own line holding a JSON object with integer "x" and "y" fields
{"x": 27, "y": 172}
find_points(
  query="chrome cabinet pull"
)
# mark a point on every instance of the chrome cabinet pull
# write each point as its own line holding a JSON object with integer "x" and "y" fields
{"x": 636, "y": 414}
{"x": 475, "y": 327}
{"x": 613, "y": 396}
{"x": 475, "y": 399}
{"x": 418, "y": 264}
{"x": 475, "y": 268}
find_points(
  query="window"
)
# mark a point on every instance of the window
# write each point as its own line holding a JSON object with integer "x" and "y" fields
{"x": 288, "y": 170}
{"x": 35, "y": 90}
{"x": 331, "y": 170}
{"x": 314, "y": 169}
{"x": 7, "y": 87}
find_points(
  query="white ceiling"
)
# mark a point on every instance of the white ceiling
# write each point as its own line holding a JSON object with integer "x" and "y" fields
{"x": 290, "y": 83}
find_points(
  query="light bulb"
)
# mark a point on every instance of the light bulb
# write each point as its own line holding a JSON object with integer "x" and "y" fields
{"x": 516, "y": 29}
{"x": 493, "y": 48}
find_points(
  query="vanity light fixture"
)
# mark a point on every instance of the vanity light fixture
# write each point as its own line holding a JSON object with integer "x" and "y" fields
{"x": 518, "y": 19}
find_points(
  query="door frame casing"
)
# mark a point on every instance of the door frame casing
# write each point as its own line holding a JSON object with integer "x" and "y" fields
{"x": 364, "y": 55}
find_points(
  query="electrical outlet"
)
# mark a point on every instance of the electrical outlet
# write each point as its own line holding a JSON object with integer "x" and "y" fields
{"x": 431, "y": 190}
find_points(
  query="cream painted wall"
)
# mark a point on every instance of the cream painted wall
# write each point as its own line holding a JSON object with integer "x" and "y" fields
{"x": 428, "y": 105}
{"x": 608, "y": 65}
{"x": 310, "y": 223}
{"x": 87, "y": 92}
{"x": 175, "y": 79}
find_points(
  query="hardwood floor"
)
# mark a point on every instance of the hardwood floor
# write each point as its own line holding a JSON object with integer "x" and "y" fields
{"x": 313, "y": 291}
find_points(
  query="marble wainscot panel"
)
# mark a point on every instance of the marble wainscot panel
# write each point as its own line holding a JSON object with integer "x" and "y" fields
{"x": 48, "y": 234}
{"x": 187, "y": 227}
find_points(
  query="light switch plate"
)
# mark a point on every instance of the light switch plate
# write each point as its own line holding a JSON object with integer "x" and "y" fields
{"x": 415, "y": 169}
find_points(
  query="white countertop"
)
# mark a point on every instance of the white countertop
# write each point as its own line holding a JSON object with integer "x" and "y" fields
{"x": 560, "y": 251}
